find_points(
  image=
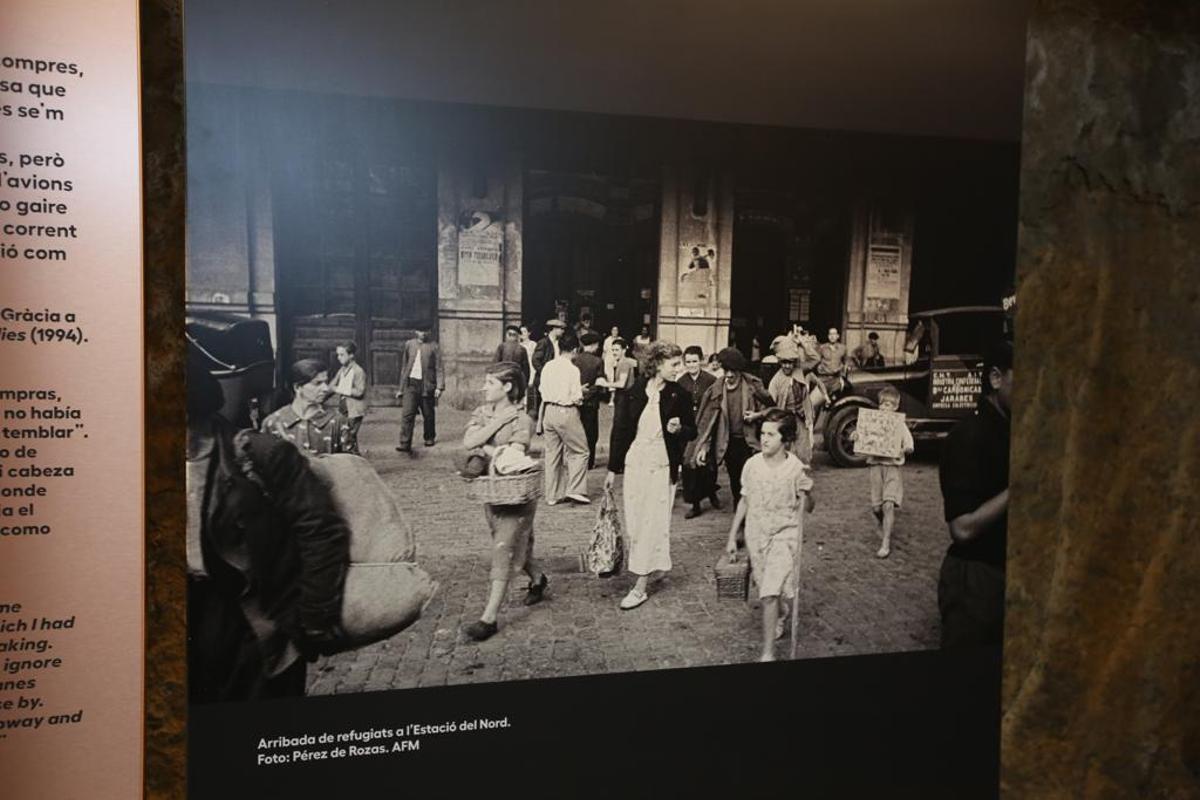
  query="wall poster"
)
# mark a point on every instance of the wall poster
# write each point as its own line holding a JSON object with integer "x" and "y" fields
{"x": 480, "y": 248}
{"x": 883, "y": 283}
{"x": 697, "y": 279}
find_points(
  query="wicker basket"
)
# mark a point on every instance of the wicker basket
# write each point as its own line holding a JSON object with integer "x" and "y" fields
{"x": 506, "y": 490}
{"x": 733, "y": 578}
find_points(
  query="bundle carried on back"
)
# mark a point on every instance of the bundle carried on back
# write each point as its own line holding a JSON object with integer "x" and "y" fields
{"x": 385, "y": 589}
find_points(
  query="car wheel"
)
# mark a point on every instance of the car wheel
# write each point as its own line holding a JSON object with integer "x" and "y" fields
{"x": 841, "y": 449}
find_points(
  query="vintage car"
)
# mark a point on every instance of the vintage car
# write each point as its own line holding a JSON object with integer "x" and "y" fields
{"x": 939, "y": 385}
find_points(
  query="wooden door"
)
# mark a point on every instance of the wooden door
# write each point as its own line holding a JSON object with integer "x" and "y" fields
{"x": 356, "y": 241}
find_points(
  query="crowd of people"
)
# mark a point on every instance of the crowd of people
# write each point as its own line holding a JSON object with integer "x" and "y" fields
{"x": 677, "y": 418}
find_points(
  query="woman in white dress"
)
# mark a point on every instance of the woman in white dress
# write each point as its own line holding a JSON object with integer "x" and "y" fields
{"x": 650, "y": 431}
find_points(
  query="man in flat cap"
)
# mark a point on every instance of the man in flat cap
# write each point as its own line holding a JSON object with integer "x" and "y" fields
{"x": 547, "y": 350}
{"x": 728, "y": 413}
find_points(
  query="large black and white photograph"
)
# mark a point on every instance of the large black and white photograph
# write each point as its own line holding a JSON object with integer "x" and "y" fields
{"x": 481, "y": 393}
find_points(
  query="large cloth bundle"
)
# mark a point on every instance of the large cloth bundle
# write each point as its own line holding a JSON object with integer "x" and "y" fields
{"x": 381, "y": 600}
{"x": 379, "y": 532}
{"x": 607, "y": 550}
{"x": 385, "y": 590}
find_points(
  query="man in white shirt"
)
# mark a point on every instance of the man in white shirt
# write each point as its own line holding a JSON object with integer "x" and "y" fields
{"x": 565, "y": 441}
{"x": 422, "y": 383}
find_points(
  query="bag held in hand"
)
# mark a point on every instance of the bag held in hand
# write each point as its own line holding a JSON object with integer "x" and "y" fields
{"x": 733, "y": 577}
{"x": 606, "y": 552}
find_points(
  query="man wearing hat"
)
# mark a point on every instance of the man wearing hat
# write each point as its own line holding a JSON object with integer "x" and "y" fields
{"x": 546, "y": 351}
{"x": 794, "y": 391}
{"x": 728, "y": 411}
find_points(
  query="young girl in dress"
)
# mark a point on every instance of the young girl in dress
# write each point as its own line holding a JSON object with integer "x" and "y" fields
{"x": 776, "y": 489}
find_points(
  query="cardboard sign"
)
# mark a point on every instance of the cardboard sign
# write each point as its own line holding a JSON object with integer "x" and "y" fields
{"x": 880, "y": 433}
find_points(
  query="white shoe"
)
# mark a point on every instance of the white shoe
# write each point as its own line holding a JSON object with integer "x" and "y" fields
{"x": 633, "y": 599}
{"x": 579, "y": 498}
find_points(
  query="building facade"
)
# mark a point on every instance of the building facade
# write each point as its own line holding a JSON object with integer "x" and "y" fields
{"x": 339, "y": 218}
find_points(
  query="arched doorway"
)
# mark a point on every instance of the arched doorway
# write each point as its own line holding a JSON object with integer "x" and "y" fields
{"x": 590, "y": 243}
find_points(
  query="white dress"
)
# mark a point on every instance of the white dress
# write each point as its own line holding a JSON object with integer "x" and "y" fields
{"x": 648, "y": 494}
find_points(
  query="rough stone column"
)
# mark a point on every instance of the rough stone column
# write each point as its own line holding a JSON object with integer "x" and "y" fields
{"x": 886, "y": 316}
{"x": 1101, "y": 692}
{"x": 693, "y": 308}
{"x": 477, "y": 295}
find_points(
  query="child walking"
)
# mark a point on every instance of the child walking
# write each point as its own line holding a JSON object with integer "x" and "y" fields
{"x": 887, "y": 487}
{"x": 776, "y": 489}
{"x": 350, "y": 384}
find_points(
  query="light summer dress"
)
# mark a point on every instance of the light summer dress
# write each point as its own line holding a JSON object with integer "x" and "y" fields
{"x": 648, "y": 494}
{"x": 774, "y": 495}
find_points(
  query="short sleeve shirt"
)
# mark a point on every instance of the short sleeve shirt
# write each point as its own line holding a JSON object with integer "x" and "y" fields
{"x": 774, "y": 492}
{"x": 517, "y": 431}
{"x": 974, "y": 469}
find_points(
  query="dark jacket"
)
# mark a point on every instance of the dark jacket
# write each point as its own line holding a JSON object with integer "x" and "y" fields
{"x": 543, "y": 353}
{"x": 513, "y": 351}
{"x": 274, "y": 544}
{"x": 713, "y": 427}
{"x": 697, "y": 386}
{"x": 591, "y": 367}
{"x": 432, "y": 376}
{"x": 674, "y": 401}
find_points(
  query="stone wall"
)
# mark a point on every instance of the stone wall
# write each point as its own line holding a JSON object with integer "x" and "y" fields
{"x": 1102, "y": 651}
{"x": 475, "y": 302}
{"x": 697, "y": 211}
{"x": 875, "y": 235}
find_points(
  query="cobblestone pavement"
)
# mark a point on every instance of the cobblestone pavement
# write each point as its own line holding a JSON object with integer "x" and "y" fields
{"x": 851, "y": 603}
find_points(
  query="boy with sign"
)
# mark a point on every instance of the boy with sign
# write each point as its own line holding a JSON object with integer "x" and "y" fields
{"x": 885, "y": 440}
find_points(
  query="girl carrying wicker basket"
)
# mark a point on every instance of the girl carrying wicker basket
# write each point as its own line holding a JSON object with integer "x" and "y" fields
{"x": 499, "y": 430}
{"x": 775, "y": 492}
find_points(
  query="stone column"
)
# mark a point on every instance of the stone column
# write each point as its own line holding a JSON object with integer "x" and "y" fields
{"x": 479, "y": 266}
{"x": 694, "y": 286}
{"x": 1102, "y": 649}
{"x": 878, "y": 278}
